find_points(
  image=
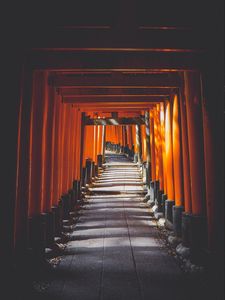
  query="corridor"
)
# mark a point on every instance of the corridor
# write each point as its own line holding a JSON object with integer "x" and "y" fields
{"x": 114, "y": 252}
{"x": 113, "y": 147}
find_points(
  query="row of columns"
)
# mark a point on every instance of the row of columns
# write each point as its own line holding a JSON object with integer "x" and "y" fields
{"x": 175, "y": 145}
{"x": 49, "y": 155}
{"x": 180, "y": 167}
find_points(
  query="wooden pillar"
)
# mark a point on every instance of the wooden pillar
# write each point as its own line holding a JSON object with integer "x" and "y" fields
{"x": 15, "y": 239}
{"x": 152, "y": 144}
{"x": 48, "y": 149}
{"x": 56, "y": 170}
{"x": 169, "y": 153}
{"x": 185, "y": 155}
{"x": 103, "y": 141}
{"x": 138, "y": 143}
{"x": 162, "y": 123}
{"x": 73, "y": 150}
{"x": 82, "y": 141}
{"x": 195, "y": 141}
{"x": 212, "y": 107}
{"x": 158, "y": 146}
{"x": 148, "y": 150}
{"x": 177, "y": 154}
{"x": 37, "y": 127}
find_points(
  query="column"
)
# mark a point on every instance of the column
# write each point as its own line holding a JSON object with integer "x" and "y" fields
{"x": 138, "y": 143}
{"x": 177, "y": 167}
{"x": 169, "y": 167}
{"x": 192, "y": 88}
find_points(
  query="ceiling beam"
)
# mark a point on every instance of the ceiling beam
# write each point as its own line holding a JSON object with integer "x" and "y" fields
{"x": 112, "y": 121}
{"x": 117, "y": 80}
{"x": 145, "y": 39}
{"x": 112, "y": 106}
{"x": 75, "y": 91}
{"x": 65, "y": 59}
{"x": 103, "y": 99}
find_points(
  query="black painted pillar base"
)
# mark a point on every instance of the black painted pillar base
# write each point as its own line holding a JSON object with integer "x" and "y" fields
{"x": 100, "y": 160}
{"x": 135, "y": 157}
{"x": 194, "y": 236}
{"x": 177, "y": 219}
{"x": 50, "y": 229}
{"x": 96, "y": 170}
{"x": 198, "y": 239}
{"x": 156, "y": 189}
{"x": 152, "y": 191}
{"x": 164, "y": 198}
{"x": 169, "y": 214}
{"x": 157, "y": 208}
{"x": 92, "y": 171}
{"x": 88, "y": 173}
{"x": 185, "y": 227}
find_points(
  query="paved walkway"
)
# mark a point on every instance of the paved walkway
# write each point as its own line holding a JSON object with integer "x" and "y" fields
{"x": 114, "y": 253}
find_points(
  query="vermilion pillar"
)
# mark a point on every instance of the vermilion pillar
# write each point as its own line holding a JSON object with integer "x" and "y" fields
{"x": 195, "y": 141}
{"x": 158, "y": 142}
{"x": 197, "y": 220}
{"x": 48, "y": 147}
{"x": 103, "y": 141}
{"x": 143, "y": 139}
{"x": 213, "y": 128}
{"x": 22, "y": 173}
{"x": 56, "y": 170}
{"x": 152, "y": 142}
{"x": 37, "y": 127}
{"x": 138, "y": 143}
{"x": 169, "y": 152}
{"x": 185, "y": 156}
{"x": 162, "y": 129}
{"x": 177, "y": 167}
{"x": 177, "y": 154}
{"x": 169, "y": 167}
{"x": 78, "y": 144}
{"x": 147, "y": 133}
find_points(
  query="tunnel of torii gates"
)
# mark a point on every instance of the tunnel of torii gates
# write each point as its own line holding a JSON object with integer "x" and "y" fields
{"x": 170, "y": 137}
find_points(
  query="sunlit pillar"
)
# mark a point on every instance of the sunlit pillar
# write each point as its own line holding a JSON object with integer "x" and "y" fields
{"x": 138, "y": 143}
{"x": 78, "y": 145}
{"x": 177, "y": 167}
{"x": 169, "y": 166}
{"x": 159, "y": 147}
{"x": 169, "y": 152}
{"x": 103, "y": 141}
{"x": 162, "y": 134}
{"x": 148, "y": 153}
{"x": 152, "y": 144}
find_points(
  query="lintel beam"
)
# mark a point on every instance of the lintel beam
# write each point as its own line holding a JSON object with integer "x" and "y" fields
{"x": 77, "y": 91}
{"x": 66, "y": 58}
{"x": 115, "y": 99}
{"x": 117, "y": 80}
{"x": 112, "y": 121}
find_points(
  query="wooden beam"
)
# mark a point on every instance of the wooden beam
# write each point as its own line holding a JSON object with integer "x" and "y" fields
{"x": 112, "y": 106}
{"x": 118, "y": 80}
{"x": 145, "y": 37}
{"x": 77, "y": 91}
{"x": 114, "y": 98}
{"x": 65, "y": 59}
{"x": 112, "y": 121}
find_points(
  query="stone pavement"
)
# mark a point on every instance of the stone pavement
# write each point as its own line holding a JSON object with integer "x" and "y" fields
{"x": 114, "y": 253}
